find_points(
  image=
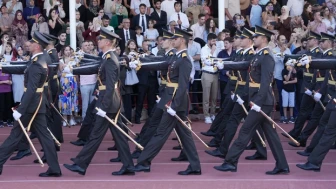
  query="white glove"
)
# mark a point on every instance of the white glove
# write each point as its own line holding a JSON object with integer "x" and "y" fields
{"x": 232, "y": 96}
{"x": 220, "y": 65}
{"x": 278, "y": 55}
{"x": 171, "y": 111}
{"x": 67, "y": 70}
{"x": 308, "y": 92}
{"x": 101, "y": 113}
{"x": 290, "y": 62}
{"x": 317, "y": 97}
{"x": 256, "y": 108}
{"x": 207, "y": 62}
{"x": 133, "y": 64}
{"x": 158, "y": 100}
{"x": 16, "y": 115}
{"x": 240, "y": 101}
{"x": 305, "y": 60}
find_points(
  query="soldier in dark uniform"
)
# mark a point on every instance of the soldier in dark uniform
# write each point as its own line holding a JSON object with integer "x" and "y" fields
{"x": 328, "y": 89}
{"x": 260, "y": 93}
{"x": 176, "y": 89}
{"x": 318, "y": 79}
{"x": 33, "y": 101}
{"x": 238, "y": 112}
{"x": 109, "y": 102}
{"x": 224, "y": 115}
{"x": 328, "y": 137}
{"x": 307, "y": 102}
{"x": 153, "y": 122}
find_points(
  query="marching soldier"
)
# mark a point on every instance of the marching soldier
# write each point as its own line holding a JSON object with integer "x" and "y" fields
{"x": 327, "y": 131}
{"x": 318, "y": 79}
{"x": 307, "y": 102}
{"x": 177, "y": 86}
{"x": 153, "y": 122}
{"x": 109, "y": 104}
{"x": 241, "y": 99}
{"x": 260, "y": 77}
{"x": 33, "y": 107}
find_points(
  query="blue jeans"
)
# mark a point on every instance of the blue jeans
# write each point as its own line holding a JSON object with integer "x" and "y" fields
{"x": 279, "y": 84}
{"x": 87, "y": 96}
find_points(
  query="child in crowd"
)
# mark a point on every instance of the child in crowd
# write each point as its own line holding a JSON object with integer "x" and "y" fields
{"x": 151, "y": 33}
{"x": 288, "y": 92}
{"x": 139, "y": 36}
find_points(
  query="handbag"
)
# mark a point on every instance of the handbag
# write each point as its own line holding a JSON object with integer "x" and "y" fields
{"x": 131, "y": 77}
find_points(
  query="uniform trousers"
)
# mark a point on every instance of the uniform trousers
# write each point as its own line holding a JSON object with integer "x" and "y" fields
{"x": 237, "y": 114}
{"x": 320, "y": 130}
{"x": 97, "y": 135}
{"x": 40, "y": 127}
{"x": 253, "y": 120}
{"x": 312, "y": 123}
{"x": 166, "y": 126}
{"x": 326, "y": 142}
{"x": 306, "y": 107}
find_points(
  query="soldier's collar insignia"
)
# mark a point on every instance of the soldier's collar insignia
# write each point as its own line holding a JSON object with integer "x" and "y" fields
{"x": 50, "y": 52}
{"x": 329, "y": 53}
{"x": 171, "y": 53}
{"x": 184, "y": 55}
{"x": 35, "y": 59}
{"x": 317, "y": 50}
{"x": 266, "y": 52}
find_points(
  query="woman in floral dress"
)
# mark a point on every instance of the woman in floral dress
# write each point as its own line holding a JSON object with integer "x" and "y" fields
{"x": 68, "y": 100}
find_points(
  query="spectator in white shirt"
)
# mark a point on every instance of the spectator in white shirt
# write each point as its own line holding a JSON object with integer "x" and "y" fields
{"x": 14, "y": 6}
{"x": 232, "y": 7}
{"x": 87, "y": 84}
{"x": 295, "y": 7}
{"x": 178, "y": 16}
{"x": 135, "y": 6}
{"x": 106, "y": 22}
{"x": 198, "y": 28}
{"x": 168, "y": 7}
{"x": 107, "y": 7}
{"x": 209, "y": 78}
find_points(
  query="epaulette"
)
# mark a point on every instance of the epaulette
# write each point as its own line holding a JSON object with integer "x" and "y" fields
{"x": 108, "y": 56}
{"x": 171, "y": 54}
{"x": 330, "y": 53}
{"x": 265, "y": 52}
{"x": 184, "y": 55}
{"x": 35, "y": 59}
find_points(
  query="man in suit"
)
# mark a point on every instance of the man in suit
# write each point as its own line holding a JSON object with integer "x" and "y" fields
{"x": 125, "y": 34}
{"x": 141, "y": 19}
{"x": 159, "y": 17}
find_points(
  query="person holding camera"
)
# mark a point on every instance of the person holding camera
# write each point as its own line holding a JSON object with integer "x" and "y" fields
{"x": 269, "y": 17}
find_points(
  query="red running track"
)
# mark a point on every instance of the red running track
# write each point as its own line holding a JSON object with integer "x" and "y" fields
{"x": 251, "y": 174}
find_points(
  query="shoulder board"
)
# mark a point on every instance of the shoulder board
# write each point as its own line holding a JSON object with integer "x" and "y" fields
{"x": 330, "y": 53}
{"x": 265, "y": 52}
{"x": 184, "y": 55}
{"x": 317, "y": 50}
{"x": 108, "y": 56}
{"x": 251, "y": 51}
{"x": 171, "y": 54}
{"x": 35, "y": 59}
